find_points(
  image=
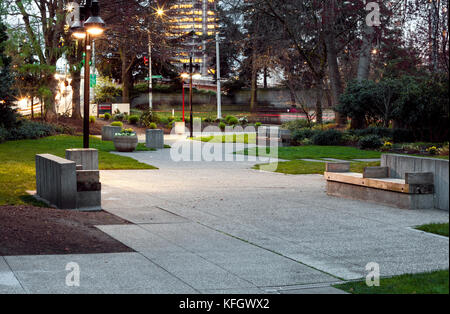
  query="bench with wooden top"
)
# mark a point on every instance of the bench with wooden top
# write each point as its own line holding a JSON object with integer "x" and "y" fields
{"x": 375, "y": 185}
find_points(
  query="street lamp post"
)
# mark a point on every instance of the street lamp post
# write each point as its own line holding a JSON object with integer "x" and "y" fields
{"x": 159, "y": 13}
{"x": 88, "y": 25}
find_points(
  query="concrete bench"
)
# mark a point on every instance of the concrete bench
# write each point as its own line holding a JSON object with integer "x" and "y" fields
{"x": 64, "y": 185}
{"x": 416, "y": 191}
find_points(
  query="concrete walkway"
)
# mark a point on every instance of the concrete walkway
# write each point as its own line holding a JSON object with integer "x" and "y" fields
{"x": 220, "y": 227}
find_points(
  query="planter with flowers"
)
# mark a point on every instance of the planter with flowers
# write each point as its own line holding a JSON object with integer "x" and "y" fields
{"x": 126, "y": 141}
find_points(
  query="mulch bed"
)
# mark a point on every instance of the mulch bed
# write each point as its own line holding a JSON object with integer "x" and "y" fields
{"x": 28, "y": 230}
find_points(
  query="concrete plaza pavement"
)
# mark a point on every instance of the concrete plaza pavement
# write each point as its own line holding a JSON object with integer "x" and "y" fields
{"x": 221, "y": 227}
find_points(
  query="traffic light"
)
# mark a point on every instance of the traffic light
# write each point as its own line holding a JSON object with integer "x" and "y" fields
{"x": 146, "y": 61}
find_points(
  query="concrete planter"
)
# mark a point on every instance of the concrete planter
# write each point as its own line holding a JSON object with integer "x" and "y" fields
{"x": 154, "y": 139}
{"x": 125, "y": 144}
{"x": 109, "y": 131}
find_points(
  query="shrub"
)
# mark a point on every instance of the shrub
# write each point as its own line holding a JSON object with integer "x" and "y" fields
{"x": 444, "y": 150}
{"x": 118, "y": 117}
{"x": 4, "y": 134}
{"x": 299, "y": 135}
{"x": 370, "y": 142}
{"x": 433, "y": 150}
{"x": 296, "y": 125}
{"x": 327, "y": 138}
{"x": 231, "y": 120}
{"x": 117, "y": 123}
{"x": 222, "y": 126}
{"x": 243, "y": 121}
{"x": 107, "y": 116}
{"x": 209, "y": 120}
{"x": 152, "y": 126}
{"x": 149, "y": 117}
{"x": 171, "y": 119}
{"x": 133, "y": 119}
{"x": 258, "y": 124}
{"x": 92, "y": 119}
{"x": 170, "y": 124}
{"x": 30, "y": 130}
{"x": 387, "y": 146}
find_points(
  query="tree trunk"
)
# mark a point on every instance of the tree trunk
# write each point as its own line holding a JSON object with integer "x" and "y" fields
{"x": 76, "y": 103}
{"x": 365, "y": 54}
{"x": 125, "y": 75}
{"x": 254, "y": 87}
{"x": 50, "y": 102}
{"x": 319, "y": 110}
{"x": 329, "y": 20}
{"x": 266, "y": 74}
{"x": 364, "y": 68}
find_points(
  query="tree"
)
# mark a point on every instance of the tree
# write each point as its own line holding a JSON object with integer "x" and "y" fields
{"x": 7, "y": 114}
{"x": 44, "y": 22}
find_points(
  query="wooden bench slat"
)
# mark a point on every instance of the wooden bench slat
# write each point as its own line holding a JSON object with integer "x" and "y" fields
{"x": 388, "y": 184}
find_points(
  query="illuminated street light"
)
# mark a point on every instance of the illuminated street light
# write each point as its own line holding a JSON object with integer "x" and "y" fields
{"x": 88, "y": 25}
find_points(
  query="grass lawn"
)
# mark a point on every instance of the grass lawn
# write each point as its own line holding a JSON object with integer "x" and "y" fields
{"x": 440, "y": 229}
{"x": 308, "y": 167}
{"x": 232, "y": 138}
{"x": 17, "y": 163}
{"x": 427, "y": 283}
{"x": 317, "y": 152}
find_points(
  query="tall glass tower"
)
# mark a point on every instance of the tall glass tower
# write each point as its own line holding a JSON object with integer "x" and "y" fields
{"x": 199, "y": 18}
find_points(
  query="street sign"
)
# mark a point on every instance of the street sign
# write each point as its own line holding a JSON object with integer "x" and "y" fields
{"x": 154, "y": 77}
{"x": 93, "y": 80}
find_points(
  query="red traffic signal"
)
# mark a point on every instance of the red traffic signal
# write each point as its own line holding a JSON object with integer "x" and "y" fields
{"x": 146, "y": 61}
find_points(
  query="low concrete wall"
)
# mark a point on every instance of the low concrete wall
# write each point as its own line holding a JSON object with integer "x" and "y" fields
{"x": 399, "y": 165}
{"x": 56, "y": 181}
{"x": 88, "y": 158}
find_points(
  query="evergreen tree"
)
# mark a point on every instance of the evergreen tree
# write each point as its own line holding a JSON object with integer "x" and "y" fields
{"x": 7, "y": 114}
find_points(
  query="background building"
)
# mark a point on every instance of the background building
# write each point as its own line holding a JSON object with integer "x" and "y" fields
{"x": 197, "y": 17}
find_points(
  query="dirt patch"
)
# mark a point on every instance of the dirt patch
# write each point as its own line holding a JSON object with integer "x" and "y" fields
{"x": 27, "y": 230}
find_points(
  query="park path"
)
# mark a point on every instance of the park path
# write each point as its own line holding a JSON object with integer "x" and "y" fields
{"x": 221, "y": 227}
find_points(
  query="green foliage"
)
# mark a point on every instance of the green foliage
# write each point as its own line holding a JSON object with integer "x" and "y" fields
{"x": 440, "y": 229}
{"x": 370, "y": 142}
{"x": 152, "y": 126}
{"x": 106, "y": 91}
{"x": 427, "y": 283}
{"x": 27, "y": 130}
{"x": 17, "y": 171}
{"x": 232, "y": 120}
{"x": 117, "y": 123}
{"x": 107, "y": 116}
{"x": 327, "y": 138}
{"x": 8, "y": 116}
{"x": 417, "y": 104}
{"x": 296, "y": 125}
{"x": 3, "y": 135}
{"x": 222, "y": 126}
{"x": 133, "y": 120}
{"x": 149, "y": 117}
{"x": 258, "y": 124}
{"x": 92, "y": 119}
{"x": 300, "y": 134}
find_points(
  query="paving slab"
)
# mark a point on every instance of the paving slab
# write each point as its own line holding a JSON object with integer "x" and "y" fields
{"x": 288, "y": 215}
{"x": 99, "y": 273}
{"x": 8, "y": 281}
